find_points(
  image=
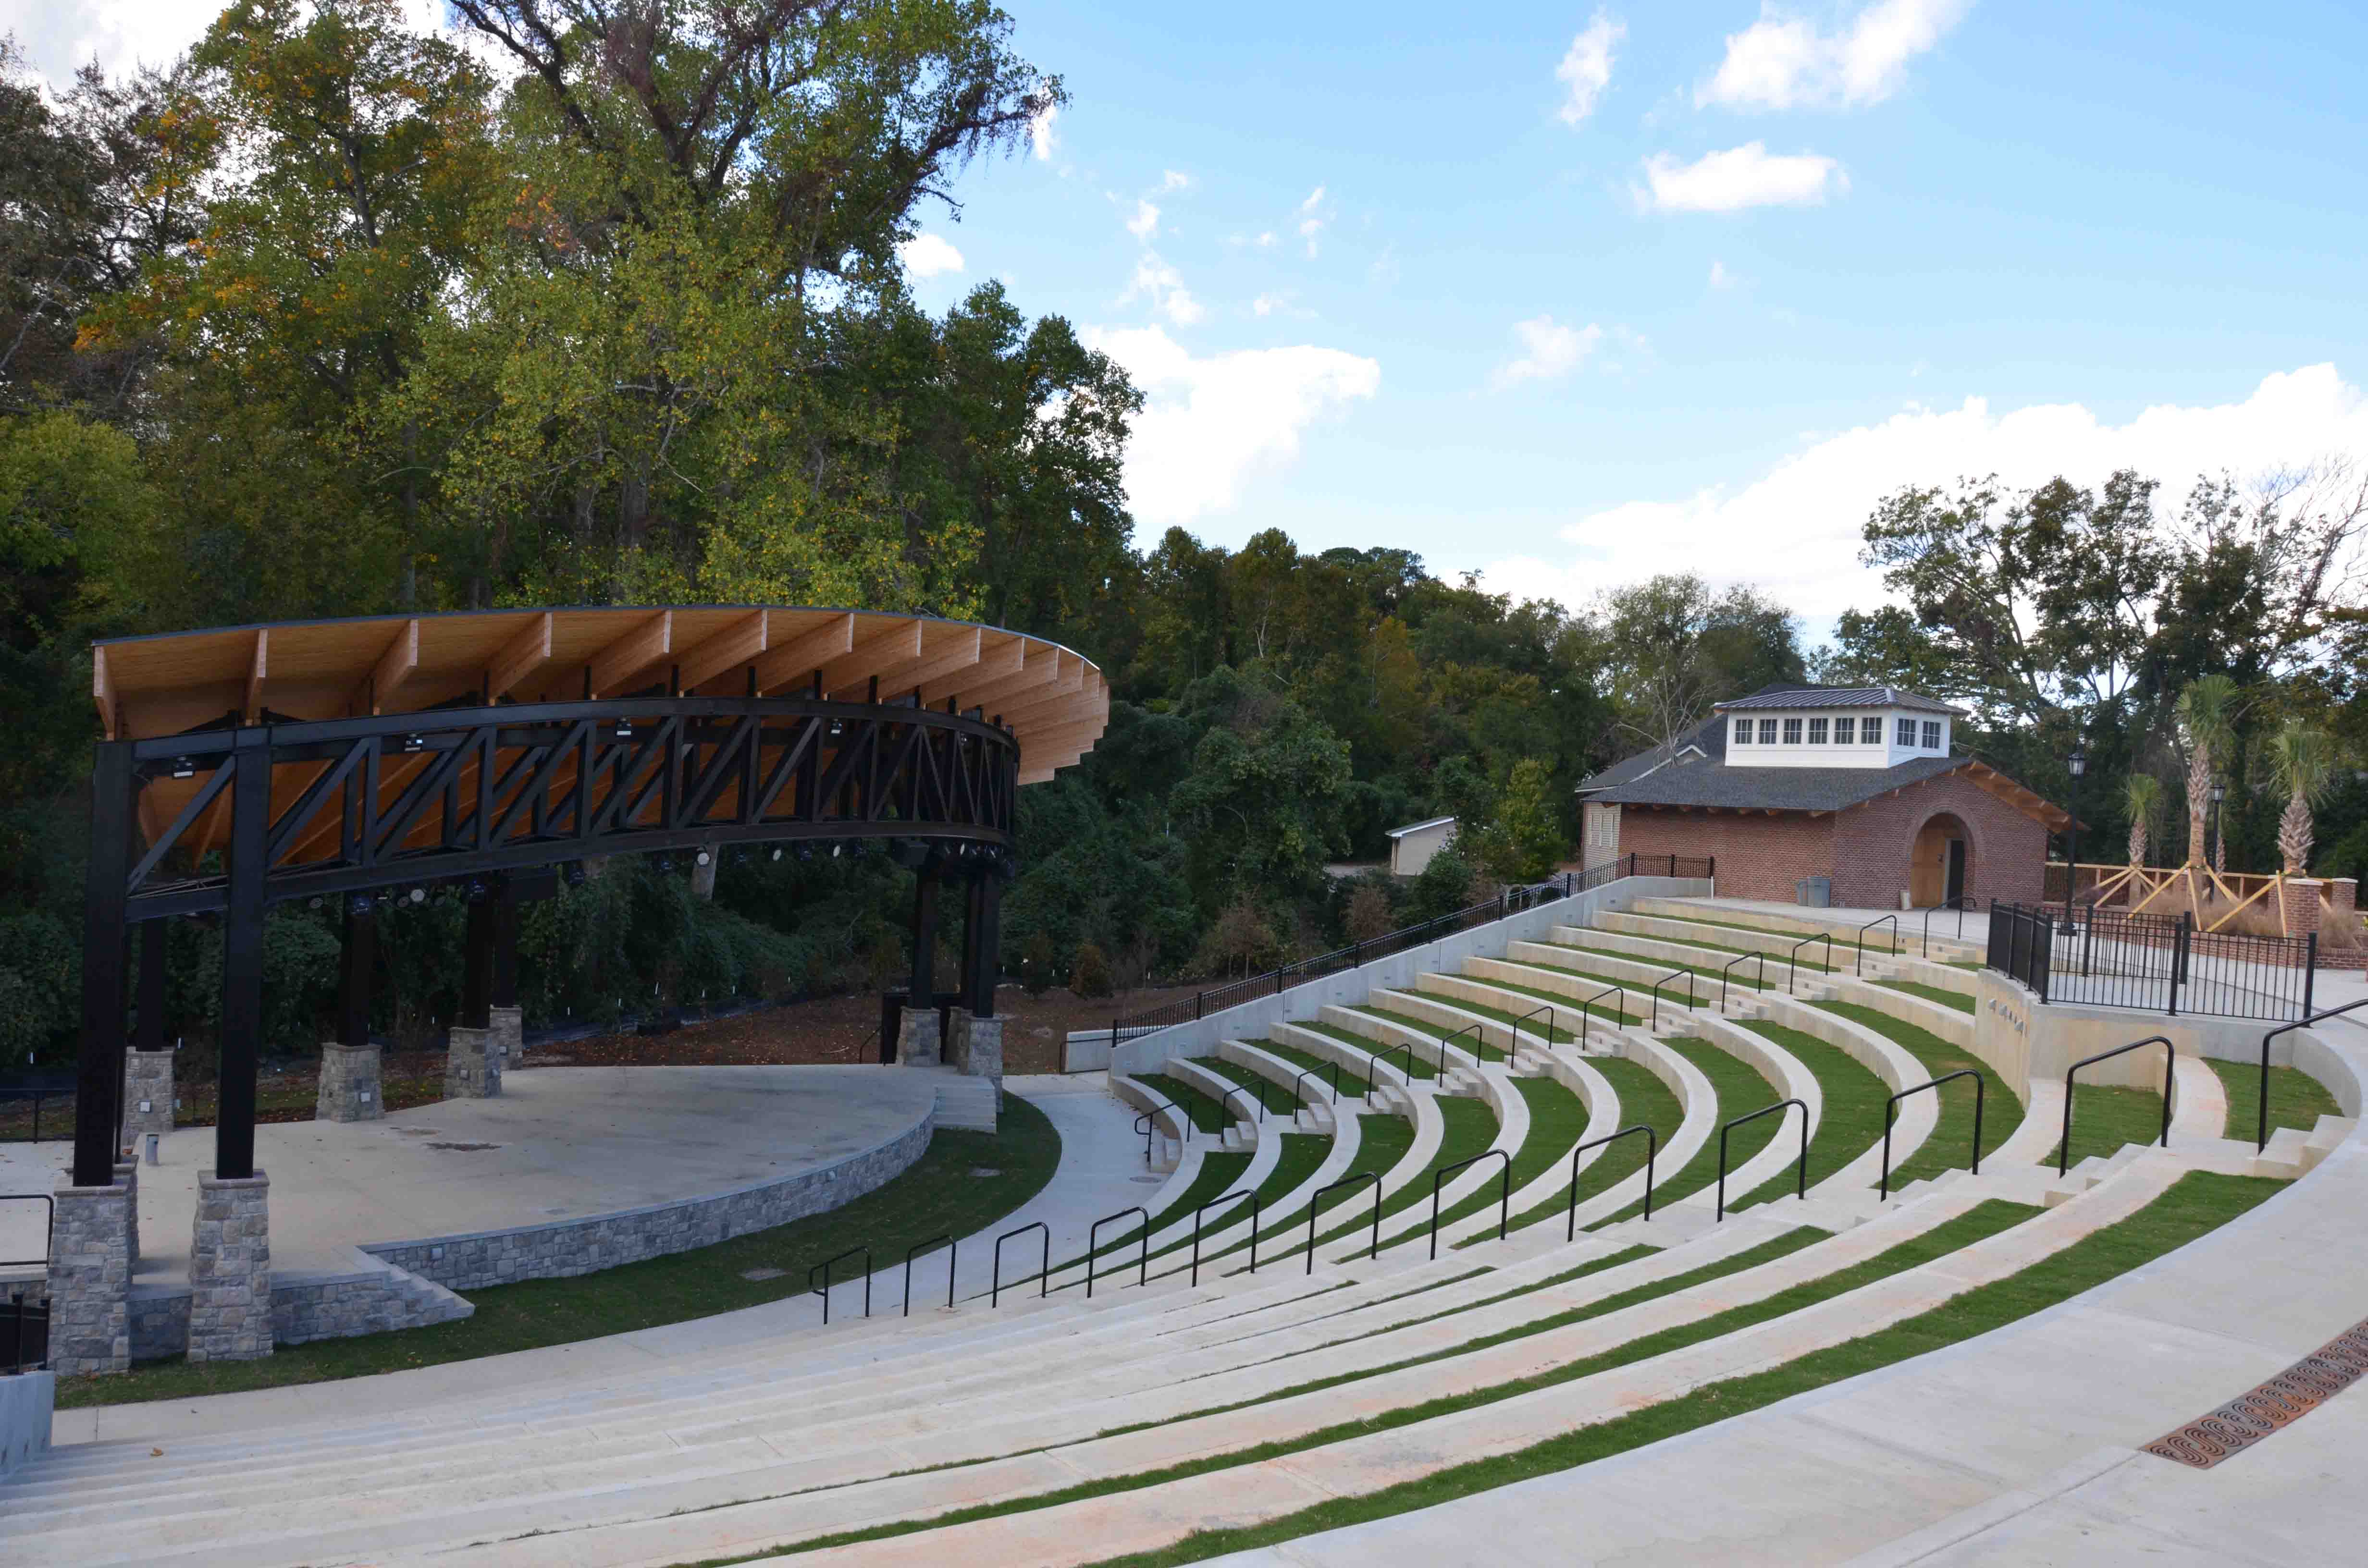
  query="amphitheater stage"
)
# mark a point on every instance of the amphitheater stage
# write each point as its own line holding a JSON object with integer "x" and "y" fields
{"x": 559, "y": 1146}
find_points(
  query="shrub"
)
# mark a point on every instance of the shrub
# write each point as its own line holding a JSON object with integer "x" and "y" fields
{"x": 1036, "y": 964}
{"x": 1370, "y": 915}
{"x": 1090, "y": 975}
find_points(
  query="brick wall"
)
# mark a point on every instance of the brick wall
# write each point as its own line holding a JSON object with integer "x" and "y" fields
{"x": 1864, "y": 848}
{"x": 1759, "y": 857}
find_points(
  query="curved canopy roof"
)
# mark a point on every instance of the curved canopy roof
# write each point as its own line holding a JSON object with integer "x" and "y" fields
{"x": 1055, "y": 703}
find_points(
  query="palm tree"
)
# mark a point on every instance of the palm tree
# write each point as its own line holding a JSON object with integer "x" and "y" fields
{"x": 2303, "y": 762}
{"x": 2207, "y": 711}
{"x": 2142, "y": 794}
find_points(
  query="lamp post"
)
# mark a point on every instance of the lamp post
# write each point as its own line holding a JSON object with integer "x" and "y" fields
{"x": 2078, "y": 764}
{"x": 2219, "y": 844}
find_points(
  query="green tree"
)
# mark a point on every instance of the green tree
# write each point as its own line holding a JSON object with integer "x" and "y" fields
{"x": 1524, "y": 842}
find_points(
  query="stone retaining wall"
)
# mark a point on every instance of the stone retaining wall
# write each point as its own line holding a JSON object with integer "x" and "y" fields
{"x": 569, "y": 1248}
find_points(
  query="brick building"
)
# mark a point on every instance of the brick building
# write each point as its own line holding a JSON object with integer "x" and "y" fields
{"x": 1860, "y": 785}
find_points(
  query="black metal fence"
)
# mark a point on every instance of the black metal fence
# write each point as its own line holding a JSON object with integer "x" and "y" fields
{"x": 24, "y": 1330}
{"x": 2156, "y": 963}
{"x": 1564, "y": 884}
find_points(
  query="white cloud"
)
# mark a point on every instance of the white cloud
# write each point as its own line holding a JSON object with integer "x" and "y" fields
{"x": 1312, "y": 215}
{"x": 1783, "y": 61}
{"x": 1041, "y": 135}
{"x": 1173, "y": 179}
{"x": 1164, "y": 287}
{"x": 58, "y": 37}
{"x": 1549, "y": 350}
{"x": 1145, "y": 222}
{"x": 1719, "y": 277}
{"x": 1749, "y": 175}
{"x": 1212, "y": 422}
{"x": 1267, "y": 304}
{"x": 1795, "y": 530}
{"x": 926, "y": 256}
{"x": 1586, "y": 69}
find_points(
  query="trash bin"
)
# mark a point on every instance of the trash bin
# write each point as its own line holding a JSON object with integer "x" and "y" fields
{"x": 1816, "y": 893}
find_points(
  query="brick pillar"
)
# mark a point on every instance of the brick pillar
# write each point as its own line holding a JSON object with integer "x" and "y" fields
{"x": 127, "y": 1177}
{"x": 472, "y": 1066}
{"x": 351, "y": 1089}
{"x": 90, "y": 1281}
{"x": 983, "y": 1052}
{"x": 507, "y": 1026}
{"x": 2343, "y": 901}
{"x": 916, "y": 1037}
{"x": 230, "y": 1269}
{"x": 147, "y": 1095}
{"x": 2298, "y": 905}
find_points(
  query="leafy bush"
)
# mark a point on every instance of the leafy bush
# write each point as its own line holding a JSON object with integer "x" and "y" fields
{"x": 1090, "y": 975}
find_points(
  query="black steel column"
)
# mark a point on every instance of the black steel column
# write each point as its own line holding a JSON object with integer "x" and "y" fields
{"x": 477, "y": 959}
{"x": 506, "y": 935}
{"x": 925, "y": 937}
{"x": 100, "y": 1071}
{"x": 151, "y": 997}
{"x": 241, "y": 997}
{"x": 357, "y": 957}
{"x": 986, "y": 917}
{"x": 973, "y": 933}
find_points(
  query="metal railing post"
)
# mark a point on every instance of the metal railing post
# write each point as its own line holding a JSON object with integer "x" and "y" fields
{"x": 2170, "y": 1071}
{"x": 2261, "y": 1138}
{"x": 1226, "y": 1197}
{"x": 1504, "y": 1194}
{"x": 1043, "y": 1273}
{"x": 1652, "y": 1152}
{"x": 1891, "y": 1108}
{"x": 823, "y": 1268}
{"x": 1093, "y": 1245}
{"x": 953, "y": 1249}
{"x": 1802, "y": 1179}
{"x": 1316, "y": 1206}
{"x": 1621, "y": 990}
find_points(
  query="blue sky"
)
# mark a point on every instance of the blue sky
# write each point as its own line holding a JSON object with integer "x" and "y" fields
{"x": 1567, "y": 295}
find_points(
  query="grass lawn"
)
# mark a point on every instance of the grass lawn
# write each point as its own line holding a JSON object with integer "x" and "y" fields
{"x": 1953, "y": 1137}
{"x": 1635, "y": 988}
{"x": 1532, "y": 1027}
{"x": 2196, "y": 1205}
{"x": 1557, "y": 1118}
{"x": 1471, "y": 1128}
{"x": 1301, "y": 1153}
{"x": 1964, "y": 1003}
{"x": 1345, "y": 1083}
{"x": 1644, "y": 1099}
{"x": 2296, "y": 1099}
{"x": 1207, "y": 1115}
{"x": 1584, "y": 1004}
{"x": 1414, "y": 1063}
{"x": 1775, "y": 961}
{"x": 1740, "y": 1089}
{"x": 1381, "y": 1141}
{"x": 943, "y": 1192}
{"x": 2104, "y": 1119}
{"x": 1850, "y": 1124}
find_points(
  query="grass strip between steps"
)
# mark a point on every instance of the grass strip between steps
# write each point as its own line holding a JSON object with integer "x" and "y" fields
{"x": 1319, "y": 1069}
{"x": 1557, "y": 1118}
{"x": 1964, "y": 1003}
{"x": 1778, "y": 960}
{"x": 2296, "y": 1099}
{"x": 1738, "y": 1088}
{"x": 1382, "y": 1140}
{"x": 1644, "y": 1099}
{"x": 2105, "y": 1118}
{"x": 1684, "y": 996}
{"x": 1218, "y": 1171}
{"x": 1591, "y": 1012}
{"x": 1273, "y": 1099}
{"x": 1207, "y": 1115}
{"x": 1849, "y": 1124}
{"x": 1303, "y": 1152}
{"x": 1414, "y": 1063}
{"x": 961, "y": 1184}
{"x": 1952, "y": 1136}
{"x": 2197, "y": 1204}
{"x": 1527, "y": 1030}
{"x": 1471, "y": 1128}
{"x": 1982, "y": 1220}
{"x": 1423, "y": 1026}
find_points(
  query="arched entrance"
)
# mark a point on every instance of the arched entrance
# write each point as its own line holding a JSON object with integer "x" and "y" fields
{"x": 1940, "y": 865}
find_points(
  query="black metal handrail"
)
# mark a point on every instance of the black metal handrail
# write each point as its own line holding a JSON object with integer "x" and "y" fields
{"x": 49, "y": 1231}
{"x": 20, "y": 1312}
{"x": 1652, "y": 1153}
{"x": 1316, "y": 1206}
{"x": 1793, "y": 959}
{"x": 1479, "y": 1043}
{"x": 1376, "y": 1058}
{"x": 1656, "y": 990}
{"x": 1958, "y": 904}
{"x": 2261, "y": 1141}
{"x": 1307, "y": 1072}
{"x": 1094, "y": 1247}
{"x": 1591, "y": 1001}
{"x": 1891, "y": 1107}
{"x": 1043, "y": 1269}
{"x": 1727, "y": 973}
{"x": 1776, "y": 1109}
{"x": 1548, "y": 1036}
{"x": 1859, "y": 966}
{"x": 954, "y": 1257}
{"x": 1148, "y": 1122}
{"x": 1230, "y": 1090}
{"x": 823, "y": 1268}
{"x": 1250, "y": 1193}
{"x": 2170, "y": 1070}
{"x": 1504, "y": 1192}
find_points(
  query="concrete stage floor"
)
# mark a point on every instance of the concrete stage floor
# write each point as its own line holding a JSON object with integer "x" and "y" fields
{"x": 560, "y": 1142}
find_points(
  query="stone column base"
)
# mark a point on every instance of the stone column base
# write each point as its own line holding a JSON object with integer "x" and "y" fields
{"x": 916, "y": 1037}
{"x": 127, "y": 1177}
{"x": 90, "y": 1281}
{"x": 956, "y": 1045}
{"x": 230, "y": 1269}
{"x": 350, "y": 1085}
{"x": 507, "y": 1026}
{"x": 147, "y": 1095}
{"x": 983, "y": 1051}
{"x": 473, "y": 1067}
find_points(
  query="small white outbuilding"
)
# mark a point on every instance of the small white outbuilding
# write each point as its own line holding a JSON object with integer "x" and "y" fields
{"x": 1412, "y": 847}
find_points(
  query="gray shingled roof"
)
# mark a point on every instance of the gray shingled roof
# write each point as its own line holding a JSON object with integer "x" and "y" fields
{"x": 1674, "y": 776}
{"x": 1839, "y": 697}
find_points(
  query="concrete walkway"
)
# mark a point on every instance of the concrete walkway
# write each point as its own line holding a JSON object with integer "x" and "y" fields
{"x": 2021, "y": 1446}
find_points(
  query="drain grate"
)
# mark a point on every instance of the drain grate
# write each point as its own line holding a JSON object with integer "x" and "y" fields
{"x": 2251, "y": 1416}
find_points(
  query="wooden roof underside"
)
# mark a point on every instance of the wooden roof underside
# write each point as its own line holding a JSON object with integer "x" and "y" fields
{"x": 1055, "y": 703}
